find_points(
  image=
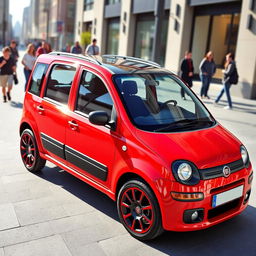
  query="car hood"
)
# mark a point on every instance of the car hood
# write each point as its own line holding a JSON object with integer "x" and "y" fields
{"x": 205, "y": 148}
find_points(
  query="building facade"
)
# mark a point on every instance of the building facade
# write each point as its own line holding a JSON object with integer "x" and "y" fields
{"x": 5, "y": 19}
{"x": 222, "y": 26}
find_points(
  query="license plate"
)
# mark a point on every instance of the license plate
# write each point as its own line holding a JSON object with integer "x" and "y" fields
{"x": 227, "y": 196}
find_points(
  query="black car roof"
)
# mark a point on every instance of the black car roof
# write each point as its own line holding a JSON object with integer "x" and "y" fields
{"x": 117, "y": 64}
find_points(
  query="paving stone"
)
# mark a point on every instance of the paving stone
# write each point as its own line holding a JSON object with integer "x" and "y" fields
{"x": 76, "y": 208}
{"x": 18, "y": 177}
{"x": 90, "y": 249}
{"x": 8, "y": 218}
{"x": 25, "y": 234}
{"x": 27, "y": 190}
{"x": 1, "y": 252}
{"x": 77, "y": 240}
{"x": 121, "y": 245}
{"x": 38, "y": 210}
{"x": 68, "y": 224}
{"x": 49, "y": 246}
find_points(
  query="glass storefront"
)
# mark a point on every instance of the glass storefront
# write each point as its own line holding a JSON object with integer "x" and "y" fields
{"x": 217, "y": 33}
{"x": 144, "y": 37}
{"x": 113, "y": 36}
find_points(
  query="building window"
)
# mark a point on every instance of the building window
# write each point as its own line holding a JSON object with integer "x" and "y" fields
{"x": 145, "y": 37}
{"x": 217, "y": 33}
{"x": 108, "y": 2}
{"x": 113, "y": 36}
{"x": 88, "y": 5}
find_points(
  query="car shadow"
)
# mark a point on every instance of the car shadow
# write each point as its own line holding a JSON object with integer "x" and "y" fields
{"x": 80, "y": 189}
{"x": 233, "y": 237}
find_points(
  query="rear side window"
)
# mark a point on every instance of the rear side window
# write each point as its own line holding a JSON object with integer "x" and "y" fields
{"x": 59, "y": 83}
{"x": 37, "y": 78}
{"x": 93, "y": 95}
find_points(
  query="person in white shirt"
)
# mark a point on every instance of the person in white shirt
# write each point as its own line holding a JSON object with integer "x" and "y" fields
{"x": 28, "y": 61}
{"x": 92, "y": 49}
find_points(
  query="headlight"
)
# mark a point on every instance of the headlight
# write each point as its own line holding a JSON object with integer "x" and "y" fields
{"x": 244, "y": 155}
{"x": 185, "y": 172}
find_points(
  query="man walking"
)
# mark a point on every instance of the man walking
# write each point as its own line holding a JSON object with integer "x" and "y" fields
{"x": 76, "y": 49}
{"x": 187, "y": 71}
{"x": 93, "y": 48}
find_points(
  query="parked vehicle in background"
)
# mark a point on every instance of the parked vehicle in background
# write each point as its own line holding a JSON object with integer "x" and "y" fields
{"x": 120, "y": 125}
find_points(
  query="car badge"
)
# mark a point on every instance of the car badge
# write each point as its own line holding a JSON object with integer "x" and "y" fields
{"x": 226, "y": 171}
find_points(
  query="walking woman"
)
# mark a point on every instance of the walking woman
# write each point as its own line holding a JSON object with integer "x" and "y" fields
{"x": 28, "y": 61}
{"x": 230, "y": 74}
{"x": 207, "y": 69}
{"x": 8, "y": 67}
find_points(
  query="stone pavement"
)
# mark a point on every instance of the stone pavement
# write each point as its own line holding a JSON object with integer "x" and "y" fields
{"x": 53, "y": 213}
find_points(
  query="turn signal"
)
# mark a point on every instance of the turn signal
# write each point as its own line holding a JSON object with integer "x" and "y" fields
{"x": 187, "y": 196}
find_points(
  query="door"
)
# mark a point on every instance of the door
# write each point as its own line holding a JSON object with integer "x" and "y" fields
{"x": 90, "y": 148}
{"x": 52, "y": 110}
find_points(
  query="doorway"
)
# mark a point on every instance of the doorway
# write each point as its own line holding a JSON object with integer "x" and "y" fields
{"x": 217, "y": 33}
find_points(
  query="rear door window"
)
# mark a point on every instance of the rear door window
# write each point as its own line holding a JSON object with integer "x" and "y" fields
{"x": 59, "y": 83}
{"x": 37, "y": 78}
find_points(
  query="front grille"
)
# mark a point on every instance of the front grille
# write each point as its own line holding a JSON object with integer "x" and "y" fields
{"x": 224, "y": 208}
{"x": 216, "y": 172}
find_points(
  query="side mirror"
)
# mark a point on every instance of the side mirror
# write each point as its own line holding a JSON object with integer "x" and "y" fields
{"x": 99, "y": 117}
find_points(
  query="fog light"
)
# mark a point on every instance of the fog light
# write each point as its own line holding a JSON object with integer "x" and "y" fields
{"x": 193, "y": 216}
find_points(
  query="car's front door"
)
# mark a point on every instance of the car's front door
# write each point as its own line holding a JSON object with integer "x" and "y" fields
{"x": 90, "y": 148}
{"x": 52, "y": 110}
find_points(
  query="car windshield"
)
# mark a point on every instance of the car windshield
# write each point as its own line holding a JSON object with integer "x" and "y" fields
{"x": 154, "y": 103}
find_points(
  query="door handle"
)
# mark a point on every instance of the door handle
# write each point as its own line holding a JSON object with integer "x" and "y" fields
{"x": 73, "y": 125}
{"x": 40, "y": 109}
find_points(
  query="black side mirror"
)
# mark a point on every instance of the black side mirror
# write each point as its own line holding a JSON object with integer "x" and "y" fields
{"x": 99, "y": 117}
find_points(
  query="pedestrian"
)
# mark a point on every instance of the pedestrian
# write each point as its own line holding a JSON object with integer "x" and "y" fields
{"x": 48, "y": 47}
{"x": 76, "y": 49}
{"x": 42, "y": 49}
{"x": 207, "y": 70}
{"x": 8, "y": 68}
{"x": 187, "y": 71}
{"x": 14, "y": 50}
{"x": 67, "y": 48}
{"x": 93, "y": 48}
{"x": 229, "y": 76}
{"x": 28, "y": 61}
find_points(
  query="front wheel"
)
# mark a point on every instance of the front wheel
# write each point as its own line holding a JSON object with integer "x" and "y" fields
{"x": 139, "y": 211}
{"x": 29, "y": 152}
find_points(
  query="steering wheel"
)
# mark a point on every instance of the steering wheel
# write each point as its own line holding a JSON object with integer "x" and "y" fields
{"x": 173, "y": 102}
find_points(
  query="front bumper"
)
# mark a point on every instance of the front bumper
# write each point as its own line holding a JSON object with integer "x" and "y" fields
{"x": 173, "y": 211}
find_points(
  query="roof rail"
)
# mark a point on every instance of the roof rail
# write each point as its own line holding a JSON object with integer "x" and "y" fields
{"x": 77, "y": 56}
{"x": 148, "y": 62}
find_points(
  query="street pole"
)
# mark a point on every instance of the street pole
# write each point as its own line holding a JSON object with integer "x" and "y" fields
{"x": 159, "y": 13}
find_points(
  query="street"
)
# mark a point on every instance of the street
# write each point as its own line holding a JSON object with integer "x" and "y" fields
{"x": 54, "y": 213}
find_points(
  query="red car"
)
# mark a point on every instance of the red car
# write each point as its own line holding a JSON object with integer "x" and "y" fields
{"x": 120, "y": 125}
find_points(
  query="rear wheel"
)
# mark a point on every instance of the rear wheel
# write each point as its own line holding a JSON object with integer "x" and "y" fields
{"x": 138, "y": 210}
{"x": 29, "y": 152}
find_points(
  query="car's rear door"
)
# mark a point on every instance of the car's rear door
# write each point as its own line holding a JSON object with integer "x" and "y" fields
{"x": 51, "y": 110}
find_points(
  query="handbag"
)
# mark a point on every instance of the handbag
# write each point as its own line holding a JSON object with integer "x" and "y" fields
{"x": 16, "y": 81}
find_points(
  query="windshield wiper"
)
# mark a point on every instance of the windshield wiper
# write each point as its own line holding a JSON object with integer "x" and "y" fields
{"x": 185, "y": 124}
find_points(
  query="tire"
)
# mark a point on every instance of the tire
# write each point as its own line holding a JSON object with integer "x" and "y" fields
{"x": 139, "y": 211}
{"x": 29, "y": 152}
